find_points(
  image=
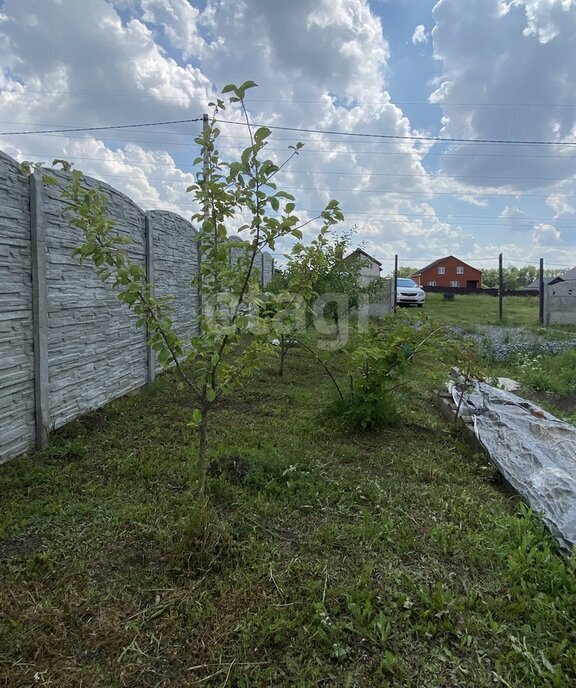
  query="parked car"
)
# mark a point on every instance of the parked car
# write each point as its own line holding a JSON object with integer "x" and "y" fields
{"x": 407, "y": 292}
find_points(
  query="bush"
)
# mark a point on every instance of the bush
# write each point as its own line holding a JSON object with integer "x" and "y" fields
{"x": 377, "y": 365}
{"x": 366, "y": 409}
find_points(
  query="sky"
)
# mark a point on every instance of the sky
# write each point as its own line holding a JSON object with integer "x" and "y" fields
{"x": 469, "y": 107}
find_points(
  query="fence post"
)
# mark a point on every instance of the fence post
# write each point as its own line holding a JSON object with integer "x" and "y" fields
{"x": 541, "y": 292}
{"x": 500, "y": 288}
{"x": 395, "y": 285}
{"x": 39, "y": 309}
{"x": 149, "y": 257}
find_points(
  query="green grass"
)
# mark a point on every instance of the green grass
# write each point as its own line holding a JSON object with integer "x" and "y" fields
{"x": 390, "y": 559}
{"x": 469, "y": 310}
{"x": 549, "y": 380}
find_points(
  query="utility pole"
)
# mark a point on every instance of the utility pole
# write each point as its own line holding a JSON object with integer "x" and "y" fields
{"x": 500, "y": 288}
{"x": 541, "y": 292}
{"x": 395, "y": 284}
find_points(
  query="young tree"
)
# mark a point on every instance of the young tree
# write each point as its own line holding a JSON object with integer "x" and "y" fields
{"x": 240, "y": 197}
{"x": 327, "y": 284}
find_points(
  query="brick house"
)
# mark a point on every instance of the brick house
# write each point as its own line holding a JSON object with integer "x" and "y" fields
{"x": 449, "y": 272}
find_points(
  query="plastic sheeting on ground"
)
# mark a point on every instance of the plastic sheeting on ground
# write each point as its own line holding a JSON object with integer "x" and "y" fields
{"x": 534, "y": 451}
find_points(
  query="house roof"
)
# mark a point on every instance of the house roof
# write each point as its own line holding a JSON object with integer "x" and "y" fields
{"x": 440, "y": 260}
{"x": 568, "y": 276}
{"x": 359, "y": 251}
{"x": 536, "y": 283}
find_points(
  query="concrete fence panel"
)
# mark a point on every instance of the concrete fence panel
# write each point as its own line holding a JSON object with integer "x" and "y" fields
{"x": 175, "y": 264}
{"x": 560, "y": 303}
{"x": 17, "y": 397}
{"x": 95, "y": 351}
{"x": 67, "y": 344}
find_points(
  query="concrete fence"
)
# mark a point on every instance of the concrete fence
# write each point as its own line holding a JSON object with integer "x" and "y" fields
{"x": 560, "y": 303}
{"x": 67, "y": 344}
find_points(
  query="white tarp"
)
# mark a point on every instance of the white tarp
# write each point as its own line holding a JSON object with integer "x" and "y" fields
{"x": 534, "y": 451}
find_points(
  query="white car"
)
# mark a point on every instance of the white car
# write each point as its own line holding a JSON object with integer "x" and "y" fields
{"x": 407, "y": 292}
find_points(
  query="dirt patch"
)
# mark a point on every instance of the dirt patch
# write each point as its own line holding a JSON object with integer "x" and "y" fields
{"x": 239, "y": 406}
{"x": 20, "y": 547}
{"x": 230, "y": 466}
{"x": 93, "y": 420}
{"x": 563, "y": 403}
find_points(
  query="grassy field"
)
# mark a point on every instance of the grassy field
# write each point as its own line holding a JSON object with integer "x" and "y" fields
{"x": 390, "y": 559}
{"x": 470, "y": 310}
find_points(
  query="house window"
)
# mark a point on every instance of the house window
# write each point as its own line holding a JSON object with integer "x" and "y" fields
{"x": 441, "y": 270}
{"x": 460, "y": 270}
{"x": 432, "y": 283}
{"x": 454, "y": 283}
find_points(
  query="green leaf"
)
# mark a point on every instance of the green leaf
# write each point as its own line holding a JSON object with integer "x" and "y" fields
{"x": 65, "y": 164}
{"x": 210, "y": 394}
{"x": 261, "y": 134}
{"x": 248, "y": 84}
{"x": 163, "y": 357}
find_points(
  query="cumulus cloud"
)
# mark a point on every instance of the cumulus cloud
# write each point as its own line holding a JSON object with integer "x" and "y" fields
{"x": 544, "y": 18}
{"x": 320, "y": 65}
{"x": 544, "y": 233}
{"x": 420, "y": 35}
{"x": 511, "y": 211}
{"x": 498, "y": 82}
{"x": 123, "y": 61}
{"x": 563, "y": 199}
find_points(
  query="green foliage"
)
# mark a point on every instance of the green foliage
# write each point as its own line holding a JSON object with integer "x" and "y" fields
{"x": 554, "y": 374}
{"x": 378, "y": 363}
{"x": 322, "y": 268}
{"x": 106, "y": 249}
{"x": 406, "y": 271}
{"x": 514, "y": 277}
{"x": 366, "y": 408}
{"x": 235, "y": 330}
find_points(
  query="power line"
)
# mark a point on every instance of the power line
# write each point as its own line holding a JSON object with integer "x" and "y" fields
{"x": 533, "y": 263}
{"x": 405, "y": 137}
{"x": 290, "y": 100}
{"x": 424, "y": 223}
{"x": 115, "y": 126}
{"x": 306, "y": 149}
{"x": 394, "y": 192}
{"x": 431, "y": 176}
{"x": 395, "y": 137}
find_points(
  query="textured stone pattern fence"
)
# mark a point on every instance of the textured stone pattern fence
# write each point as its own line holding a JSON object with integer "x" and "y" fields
{"x": 67, "y": 344}
{"x": 17, "y": 431}
{"x": 94, "y": 351}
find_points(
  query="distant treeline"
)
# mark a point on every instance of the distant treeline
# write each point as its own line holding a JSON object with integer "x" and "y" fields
{"x": 514, "y": 278}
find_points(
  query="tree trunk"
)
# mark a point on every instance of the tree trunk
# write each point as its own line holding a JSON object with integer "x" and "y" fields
{"x": 283, "y": 352}
{"x": 203, "y": 445}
